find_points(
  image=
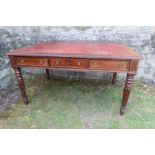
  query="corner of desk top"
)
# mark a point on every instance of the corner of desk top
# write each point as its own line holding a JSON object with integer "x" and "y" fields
{"x": 140, "y": 57}
{"x": 9, "y": 54}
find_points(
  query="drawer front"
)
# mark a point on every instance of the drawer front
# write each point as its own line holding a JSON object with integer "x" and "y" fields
{"x": 78, "y": 63}
{"x": 29, "y": 61}
{"x": 120, "y": 65}
{"x": 59, "y": 62}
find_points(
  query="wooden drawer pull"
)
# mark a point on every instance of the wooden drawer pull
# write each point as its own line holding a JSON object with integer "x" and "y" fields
{"x": 78, "y": 63}
{"x": 22, "y": 61}
{"x": 57, "y": 62}
{"x": 120, "y": 65}
{"x": 41, "y": 61}
{"x": 95, "y": 64}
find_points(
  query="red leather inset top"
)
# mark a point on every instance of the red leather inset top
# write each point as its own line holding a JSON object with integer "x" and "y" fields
{"x": 77, "y": 49}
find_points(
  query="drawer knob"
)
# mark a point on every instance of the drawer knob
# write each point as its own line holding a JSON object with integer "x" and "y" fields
{"x": 41, "y": 61}
{"x": 57, "y": 62}
{"x": 78, "y": 63}
{"x": 95, "y": 64}
{"x": 22, "y": 61}
{"x": 120, "y": 65}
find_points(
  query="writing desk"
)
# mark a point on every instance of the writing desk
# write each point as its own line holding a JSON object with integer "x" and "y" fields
{"x": 83, "y": 56}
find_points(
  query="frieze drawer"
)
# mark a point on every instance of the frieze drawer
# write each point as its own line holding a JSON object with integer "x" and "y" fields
{"x": 78, "y": 63}
{"x": 29, "y": 61}
{"x": 59, "y": 62}
{"x": 121, "y": 65}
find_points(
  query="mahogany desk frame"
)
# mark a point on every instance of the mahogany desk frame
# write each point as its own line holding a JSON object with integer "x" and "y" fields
{"x": 108, "y": 59}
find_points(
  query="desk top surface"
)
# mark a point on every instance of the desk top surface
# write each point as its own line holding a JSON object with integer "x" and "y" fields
{"x": 80, "y": 49}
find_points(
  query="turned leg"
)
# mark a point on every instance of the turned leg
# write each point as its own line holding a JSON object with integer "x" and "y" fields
{"x": 47, "y": 74}
{"x": 114, "y": 78}
{"x": 126, "y": 93}
{"x": 21, "y": 84}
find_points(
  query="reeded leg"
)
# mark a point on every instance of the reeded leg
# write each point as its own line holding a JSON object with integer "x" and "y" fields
{"x": 114, "y": 78}
{"x": 126, "y": 92}
{"x": 21, "y": 84}
{"x": 47, "y": 74}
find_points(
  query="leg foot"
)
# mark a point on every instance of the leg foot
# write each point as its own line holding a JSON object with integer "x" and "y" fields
{"x": 47, "y": 74}
{"x": 122, "y": 110}
{"x": 114, "y": 78}
{"x": 25, "y": 99}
